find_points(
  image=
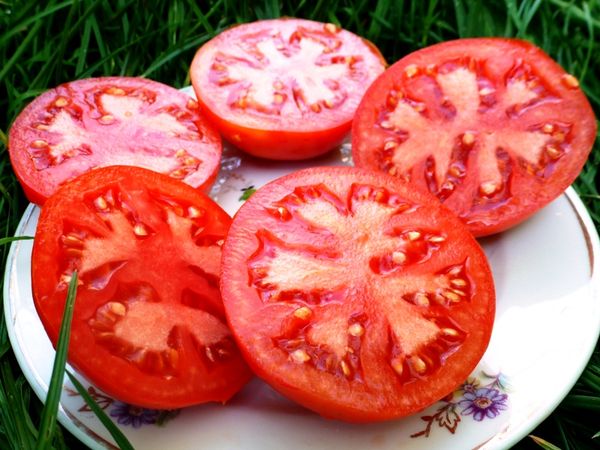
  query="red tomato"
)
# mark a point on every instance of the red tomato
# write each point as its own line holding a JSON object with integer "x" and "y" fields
{"x": 494, "y": 127}
{"x": 111, "y": 121}
{"x": 148, "y": 325}
{"x": 354, "y": 295}
{"x": 284, "y": 89}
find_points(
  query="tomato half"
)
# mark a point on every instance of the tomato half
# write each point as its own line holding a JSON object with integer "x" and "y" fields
{"x": 284, "y": 89}
{"x": 354, "y": 295}
{"x": 148, "y": 326}
{"x": 107, "y": 121}
{"x": 494, "y": 127}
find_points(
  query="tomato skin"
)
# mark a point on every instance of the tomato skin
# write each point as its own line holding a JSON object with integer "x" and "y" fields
{"x": 533, "y": 129}
{"x": 287, "y": 145}
{"x": 136, "y": 283}
{"x": 267, "y": 319}
{"x": 274, "y": 128}
{"x": 96, "y": 122}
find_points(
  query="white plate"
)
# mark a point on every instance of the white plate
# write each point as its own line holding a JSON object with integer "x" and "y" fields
{"x": 547, "y": 324}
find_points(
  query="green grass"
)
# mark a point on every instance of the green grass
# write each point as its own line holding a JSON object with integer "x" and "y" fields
{"x": 46, "y": 43}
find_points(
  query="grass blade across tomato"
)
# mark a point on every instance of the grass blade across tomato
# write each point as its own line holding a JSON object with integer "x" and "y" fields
{"x": 284, "y": 89}
{"x": 98, "y": 122}
{"x": 355, "y": 295}
{"x": 149, "y": 325}
{"x": 494, "y": 127}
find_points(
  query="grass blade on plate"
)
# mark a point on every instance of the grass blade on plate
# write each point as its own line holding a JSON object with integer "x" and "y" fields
{"x": 114, "y": 431}
{"x": 50, "y": 411}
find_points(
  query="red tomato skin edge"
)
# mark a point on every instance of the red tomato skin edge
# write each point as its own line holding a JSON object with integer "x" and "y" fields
{"x": 313, "y": 401}
{"x": 386, "y": 79}
{"x": 40, "y": 269}
{"x": 295, "y": 145}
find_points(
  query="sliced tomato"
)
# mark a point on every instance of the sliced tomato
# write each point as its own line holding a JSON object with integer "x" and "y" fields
{"x": 284, "y": 89}
{"x": 355, "y": 295}
{"x": 494, "y": 127}
{"x": 100, "y": 122}
{"x": 149, "y": 325}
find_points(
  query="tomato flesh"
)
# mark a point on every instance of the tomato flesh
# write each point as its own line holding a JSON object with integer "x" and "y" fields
{"x": 148, "y": 325}
{"x": 493, "y": 127}
{"x": 284, "y": 88}
{"x": 97, "y": 122}
{"x": 354, "y": 295}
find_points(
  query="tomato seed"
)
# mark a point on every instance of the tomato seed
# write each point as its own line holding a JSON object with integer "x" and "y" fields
{"x": 398, "y": 366}
{"x": 559, "y": 137}
{"x": 398, "y": 257}
{"x": 451, "y": 332}
{"x": 436, "y": 239}
{"x": 39, "y": 143}
{"x": 61, "y": 102}
{"x": 489, "y": 187}
{"x": 431, "y": 69}
{"x": 468, "y": 138}
{"x": 100, "y": 203}
{"x": 553, "y": 152}
{"x": 413, "y": 235}
{"x": 72, "y": 240}
{"x": 570, "y": 81}
{"x": 303, "y": 313}
{"x": 194, "y": 213}
{"x": 345, "y": 368}
{"x": 74, "y": 252}
{"x": 140, "y": 230}
{"x": 453, "y": 297}
{"x": 115, "y": 91}
{"x": 421, "y": 299}
{"x": 390, "y": 145}
{"x": 106, "y": 119}
{"x": 356, "y": 330}
{"x": 300, "y": 356}
{"x": 548, "y": 128}
{"x": 418, "y": 364}
{"x": 411, "y": 70}
{"x": 178, "y": 173}
{"x": 458, "y": 282}
{"x": 331, "y": 28}
{"x": 486, "y": 91}
{"x": 209, "y": 354}
{"x": 117, "y": 308}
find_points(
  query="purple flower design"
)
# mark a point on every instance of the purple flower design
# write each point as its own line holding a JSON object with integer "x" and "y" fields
{"x": 470, "y": 385}
{"x": 133, "y": 415}
{"x": 482, "y": 403}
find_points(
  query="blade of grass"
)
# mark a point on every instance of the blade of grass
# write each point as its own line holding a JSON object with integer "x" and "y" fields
{"x": 12, "y": 412}
{"x": 8, "y": 240}
{"x": 543, "y": 443}
{"x": 114, "y": 431}
{"x": 50, "y": 411}
{"x": 24, "y": 44}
